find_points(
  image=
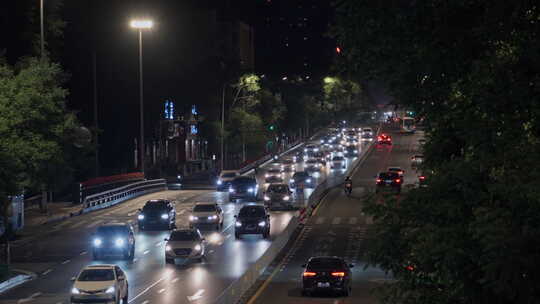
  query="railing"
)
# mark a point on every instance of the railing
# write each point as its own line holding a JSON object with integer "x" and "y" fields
{"x": 112, "y": 197}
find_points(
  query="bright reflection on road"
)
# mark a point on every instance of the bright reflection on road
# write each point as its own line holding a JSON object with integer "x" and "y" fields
{"x": 197, "y": 276}
{"x": 238, "y": 261}
{"x": 214, "y": 238}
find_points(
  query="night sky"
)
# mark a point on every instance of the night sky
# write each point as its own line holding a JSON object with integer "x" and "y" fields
{"x": 181, "y": 55}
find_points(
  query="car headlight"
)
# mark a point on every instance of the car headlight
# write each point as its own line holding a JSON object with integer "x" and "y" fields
{"x": 97, "y": 242}
{"x": 75, "y": 291}
{"x": 119, "y": 242}
{"x": 197, "y": 247}
{"x": 238, "y": 224}
{"x": 164, "y": 216}
{"x": 262, "y": 224}
{"x": 308, "y": 180}
{"x": 212, "y": 217}
{"x": 279, "y": 175}
{"x": 140, "y": 217}
{"x": 231, "y": 190}
{"x": 266, "y": 198}
{"x": 110, "y": 290}
{"x": 219, "y": 182}
{"x": 168, "y": 248}
{"x": 193, "y": 218}
{"x": 355, "y": 151}
{"x": 286, "y": 198}
{"x": 305, "y": 150}
{"x": 316, "y": 150}
{"x": 266, "y": 175}
{"x": 250, "y": 190}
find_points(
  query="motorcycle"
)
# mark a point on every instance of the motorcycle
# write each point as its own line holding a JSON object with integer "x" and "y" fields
{"x": 348, "y": 188}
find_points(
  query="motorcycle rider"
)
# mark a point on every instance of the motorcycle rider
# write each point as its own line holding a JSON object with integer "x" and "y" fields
{"x": 348, "y": 184}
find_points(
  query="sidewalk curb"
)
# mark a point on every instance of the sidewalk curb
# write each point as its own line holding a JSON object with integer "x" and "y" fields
{"x": 17, "y": 280}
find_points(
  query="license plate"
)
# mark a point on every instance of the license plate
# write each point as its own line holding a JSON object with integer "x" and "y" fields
{"x": 388, "y": 181}
{"x": 323, "y": 285}
{"x": 180, "y": 261}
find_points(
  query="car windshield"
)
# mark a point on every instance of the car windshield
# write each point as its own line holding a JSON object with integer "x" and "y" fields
{"x": 298, "y": 175}
{"x": 89, "y": 275}
{"x": 367, "y": 130}
{"x": 228, "y": 175}
{"x": 184, "y": 235}
{"x": 287, "y": 161}
{"x": 311, "y": 161}
{"x": 251, "y": 212}
{"x": 337, "y": 158}
{"x": 278, "y": 188}
{"x": 388, "y": 175}
{"x": 204, "y": 208}
{"x": 244, "y": 180}
{"x": 112, "y": 230}
{"x": 155, "y": 205}
{"x": 394, "y": 169}
{"x": 327, "y": 263}
{"x": 274, "y": 170}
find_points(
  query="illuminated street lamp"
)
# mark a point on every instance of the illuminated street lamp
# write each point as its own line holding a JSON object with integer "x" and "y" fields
{"x": 141, "y": 25}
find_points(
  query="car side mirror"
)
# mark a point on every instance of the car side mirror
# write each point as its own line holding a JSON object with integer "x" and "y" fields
{"x": 73, "y": 279}
{"x": 166, "y": 239}
{"x": 140, "y": 210}
{"x": 351, "y": 265}
{"x": 304, "y": 265}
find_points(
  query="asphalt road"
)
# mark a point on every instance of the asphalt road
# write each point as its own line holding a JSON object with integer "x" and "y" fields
{"x": 338, "y": 228}
{"x": 57, "y": 252}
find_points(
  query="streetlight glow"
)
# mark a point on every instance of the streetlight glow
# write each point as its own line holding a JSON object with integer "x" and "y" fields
{"x": 142, "y": 24}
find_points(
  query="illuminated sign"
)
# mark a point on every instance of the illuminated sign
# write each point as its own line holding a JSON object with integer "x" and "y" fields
{"x": 169, "y": 110}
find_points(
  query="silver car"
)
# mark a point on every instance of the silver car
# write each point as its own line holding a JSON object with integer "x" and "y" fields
{"x": 184, "y": 245}
{"x": 206, "y": 214}
{"x": 278, "y": 196}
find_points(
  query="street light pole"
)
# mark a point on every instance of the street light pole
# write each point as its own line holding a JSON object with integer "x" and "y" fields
{"x": 140, "y": 25}
{"x": 42, "y": 30}
{"x": 223, "y": 129}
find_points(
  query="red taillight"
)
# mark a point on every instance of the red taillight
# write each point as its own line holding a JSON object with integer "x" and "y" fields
{"x": 410, "y": 268}
{"x": 379, "y": 180}
{"x": 397, "y": 180}
{"x": 421, "y": 177}
{"x": 338, "y": 274}
{"x": 309, "y": 274}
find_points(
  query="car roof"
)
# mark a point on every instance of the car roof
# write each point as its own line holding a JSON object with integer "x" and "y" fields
{"x": 278, "y": 184}
{"x": 229, "y": 171}
{"x": 325, "y": 258}
{"x": 115, "y": 225}
{"x": 253, "y": 205}
{"x": 394, "y": 168}
{"x": 185, "y": 230}
{"x": 158, "y": 200}
{"x": 243, "y": 178}
{"x": 205, "y": 203}
{"x": 100, "y": 266}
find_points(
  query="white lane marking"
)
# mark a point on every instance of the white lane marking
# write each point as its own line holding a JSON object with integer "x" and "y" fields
{"x": 197, "y": 295}
{"x": 145, "y": 302}
{"x": 175, "y": 280}
{"x": 211, "y": 251}
{"x": 146, "y": 251}
{"x": 46, "y": 272}
{"x": 83, "y": 253}
{"x": 320, "y": 220}
{"x": 146, "y": 289}
{"x": 228, "y": 236}
{"x": 65, "y": 262}
{"x": 30, "y": 298}
{"x": 336, "y": 221}
{"x": 135, "y": 260}
{"x": 93, "y": 224}
{"x": 353, "y": 220}
{"x": 78, "y": 224}
{"x": 158, "y": 244}
{"x": 229, "y": 226}
{"x": 161, "y": 290}
{"x": 132, "y": 213}
{"x": 181, "y": 212}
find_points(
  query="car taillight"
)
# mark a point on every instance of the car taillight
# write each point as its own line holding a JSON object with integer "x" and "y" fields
{"x": 397, "y": 180}
{"x": 309, "y": 274}
{"x": 410, "y": 268}
{"x": 421, "y": 177}
{"x": 379, "y": 180}
{"x": 338, "y": 274}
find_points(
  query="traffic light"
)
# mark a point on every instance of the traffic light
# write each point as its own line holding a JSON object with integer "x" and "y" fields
{"x": 272, "y": 128}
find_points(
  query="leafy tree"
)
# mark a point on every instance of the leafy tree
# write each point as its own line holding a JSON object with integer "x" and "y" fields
{"x": 35, "y": 126}
{"x": 471, "y": 69}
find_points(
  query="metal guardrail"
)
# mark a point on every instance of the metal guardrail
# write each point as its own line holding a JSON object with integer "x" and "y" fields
{"x": 114, "y": 196}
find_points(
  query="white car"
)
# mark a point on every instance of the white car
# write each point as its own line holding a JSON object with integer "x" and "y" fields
{"x": 417, "y": 160}
{"x": 100, "y": 283}
{"x": 225, "y": 178}
{"x": 367, "y": 131}
{"x": 206, "y": 214}
{"x": 185, "y": 245}
{"x": 273, "y": 175}
{"x": 338, "y": 162}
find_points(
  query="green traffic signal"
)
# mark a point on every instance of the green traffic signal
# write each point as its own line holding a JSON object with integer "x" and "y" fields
{"x": 272, "y": 128}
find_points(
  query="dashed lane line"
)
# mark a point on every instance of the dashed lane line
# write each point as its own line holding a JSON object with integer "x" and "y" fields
{"x": 46, "y": 272}
{"x": 30, "y": 298}
{"x": 83, "y": 253}
{"x": 65, "y": 262}
{"x": 146, "y": 251}
{"x": 336, "y": 221}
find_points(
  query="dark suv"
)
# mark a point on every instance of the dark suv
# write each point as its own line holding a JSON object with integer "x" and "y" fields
{"x": 326, "y": 274}
{"x": 157, "y": 213}
{"x": 302, "y": 179}
{"x": 252, "y": 219}
{"x": 389, "y": 180}
{"x": 243, "y": 187}
{"x": 114, "y": 239}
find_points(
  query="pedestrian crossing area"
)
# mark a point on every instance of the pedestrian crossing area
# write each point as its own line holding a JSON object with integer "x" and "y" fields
{"x": 323, "y": 220}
